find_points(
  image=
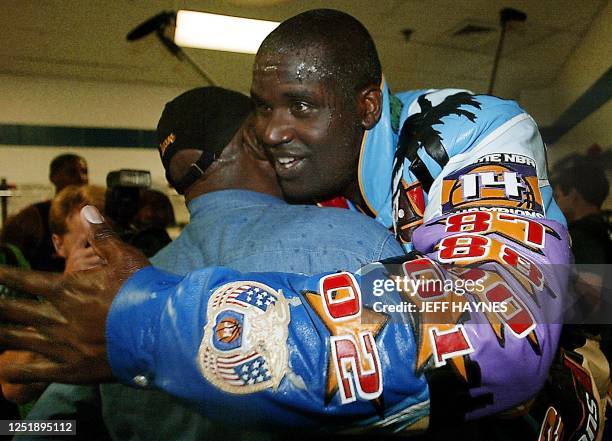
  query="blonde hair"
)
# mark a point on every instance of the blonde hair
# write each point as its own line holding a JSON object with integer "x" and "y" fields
{"x": 70, "y": 199}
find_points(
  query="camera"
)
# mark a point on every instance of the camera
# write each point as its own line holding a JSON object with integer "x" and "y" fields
{"x": 123, "y": 196}
{"x": 123, "y": 200}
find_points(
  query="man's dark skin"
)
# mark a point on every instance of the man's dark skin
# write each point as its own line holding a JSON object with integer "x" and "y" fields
{"x": 308, "y": 121}
{"x": 313, "y": 107}
{"x": 68, "y": 326}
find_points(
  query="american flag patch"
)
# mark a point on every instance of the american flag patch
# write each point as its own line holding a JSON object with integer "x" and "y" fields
{"x": 242, "y": 371}
{"x": 245, "y": 295}
{"x": 244, "y": 348}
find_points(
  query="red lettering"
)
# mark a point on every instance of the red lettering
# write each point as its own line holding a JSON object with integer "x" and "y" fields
{"x": 463, "y": 247}
{"x": 449, "y": 344}
{"x": 355, "y": 380}
{"x": 518, "y": 318}
{"x": 477, "y": 222}
{"x": 534, "y": 231}
{"x": 341, "y": 296}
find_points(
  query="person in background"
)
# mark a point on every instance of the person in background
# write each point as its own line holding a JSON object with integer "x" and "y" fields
{"x": 67, "y": 233}
{"x": 581, "y": 187}
{"x": 29, "y": 229}
{"x": 154, "y": 210}
{"x": 70, "y": 242}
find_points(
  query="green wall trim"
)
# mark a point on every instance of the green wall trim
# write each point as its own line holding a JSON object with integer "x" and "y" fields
{"x": 29, "y": 135}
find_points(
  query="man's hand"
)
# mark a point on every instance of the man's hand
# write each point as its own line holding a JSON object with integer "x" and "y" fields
{"x": 68, "y": 326}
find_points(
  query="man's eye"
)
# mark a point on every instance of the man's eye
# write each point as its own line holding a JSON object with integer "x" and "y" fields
{"x": 300, "y": 107}
{"x": 262, "y": 108}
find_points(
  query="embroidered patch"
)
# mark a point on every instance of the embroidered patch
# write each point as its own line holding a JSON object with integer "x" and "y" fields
{"x": 353, "y": 368}
{"x": 166, "y": 143}
{"x": 244, "y": 348}
{"x": 496, "y": 180}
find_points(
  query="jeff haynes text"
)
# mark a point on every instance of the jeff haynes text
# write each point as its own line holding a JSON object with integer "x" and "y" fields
{"x": 432, "y": 306}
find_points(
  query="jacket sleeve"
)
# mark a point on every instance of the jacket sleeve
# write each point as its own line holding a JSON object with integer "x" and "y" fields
{"x": 491, "y": 218}
{"x": 496, "y": 331}
{"x": 268, "y": 349}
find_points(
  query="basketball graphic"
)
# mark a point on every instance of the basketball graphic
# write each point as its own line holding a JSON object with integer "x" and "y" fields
{"x": 228, "y": 330}
{"x": 244, "y": 347}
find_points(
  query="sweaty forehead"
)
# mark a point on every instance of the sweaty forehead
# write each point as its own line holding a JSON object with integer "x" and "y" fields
{"x": 301, "y": 64}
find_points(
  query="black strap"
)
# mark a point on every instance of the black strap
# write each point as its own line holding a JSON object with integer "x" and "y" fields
{"x": 195, "y": 172}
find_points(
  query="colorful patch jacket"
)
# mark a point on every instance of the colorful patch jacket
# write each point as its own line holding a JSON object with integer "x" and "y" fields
{"x": 362, "y": 351}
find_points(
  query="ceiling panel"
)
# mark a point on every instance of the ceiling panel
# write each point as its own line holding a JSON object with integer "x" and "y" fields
{"x": 86, "y": 40}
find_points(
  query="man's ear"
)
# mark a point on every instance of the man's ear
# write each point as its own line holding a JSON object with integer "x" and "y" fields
{"x": 370, "y": 105}
{"x": 250, "y": 142}
{"x": 574, "y": 195}
{"x": 58, "y": 244}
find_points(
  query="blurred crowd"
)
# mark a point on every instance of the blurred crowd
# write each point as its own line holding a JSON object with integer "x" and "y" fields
{"x": 49, "y": 235}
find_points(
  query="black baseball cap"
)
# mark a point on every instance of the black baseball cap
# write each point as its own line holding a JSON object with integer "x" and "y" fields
{"x": 206, "y": 119}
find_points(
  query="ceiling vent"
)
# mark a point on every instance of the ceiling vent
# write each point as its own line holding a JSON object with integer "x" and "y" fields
{"x": 471, "y": 29}
{"x": 471, "y": 34}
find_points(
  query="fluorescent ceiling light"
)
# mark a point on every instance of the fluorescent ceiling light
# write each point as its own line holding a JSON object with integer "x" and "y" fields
{"x": 220, "y": 32}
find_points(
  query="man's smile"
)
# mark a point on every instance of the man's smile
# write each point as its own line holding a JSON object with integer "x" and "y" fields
{"x": 288, "y": 166}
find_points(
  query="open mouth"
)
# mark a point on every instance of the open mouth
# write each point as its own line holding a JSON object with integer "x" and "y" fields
{"x": 287, "y": 162}
{"x": 288, "y": 166}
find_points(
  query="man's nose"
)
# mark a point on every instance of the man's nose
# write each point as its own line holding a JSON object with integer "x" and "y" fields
{"x": 278, "y": 130}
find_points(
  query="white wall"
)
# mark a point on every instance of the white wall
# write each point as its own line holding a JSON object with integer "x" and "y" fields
{"x": 47, "y": 101}
{"x": 590, "y": 60}
{"x": 28, "y": 168}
